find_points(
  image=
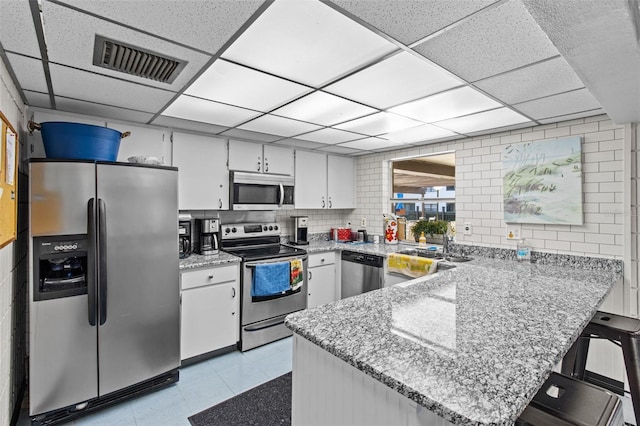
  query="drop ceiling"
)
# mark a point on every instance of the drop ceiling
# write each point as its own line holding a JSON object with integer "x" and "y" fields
{"x": 342, "y": 76}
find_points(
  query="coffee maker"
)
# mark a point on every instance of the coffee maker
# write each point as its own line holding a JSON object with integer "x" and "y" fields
{"x": 209, "y": 236}
{"x": 300, "y": 224}
{"x": 184, "y": 238}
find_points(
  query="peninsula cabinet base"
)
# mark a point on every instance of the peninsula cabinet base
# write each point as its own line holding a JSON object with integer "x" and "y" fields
{"x": 328, "y": 391}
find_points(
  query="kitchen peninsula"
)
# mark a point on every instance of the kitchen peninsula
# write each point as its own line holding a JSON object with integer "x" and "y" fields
{"x": 469, "y": 346}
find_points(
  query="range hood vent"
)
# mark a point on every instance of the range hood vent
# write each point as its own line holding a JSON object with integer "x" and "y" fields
{"x": 118, "y": 56}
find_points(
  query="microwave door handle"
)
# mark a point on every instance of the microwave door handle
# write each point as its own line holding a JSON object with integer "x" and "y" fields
{"x": 91, "y": 264}
{"x": 281, "y": 196}
{"x": 102, "y": 262}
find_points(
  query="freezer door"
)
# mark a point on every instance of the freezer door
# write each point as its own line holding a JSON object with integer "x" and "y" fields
{"x": 138, "y": 291}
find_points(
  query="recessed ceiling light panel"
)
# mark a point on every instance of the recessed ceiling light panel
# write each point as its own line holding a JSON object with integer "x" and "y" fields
{"x": 422, "y": 133}
{"x": 324, "y": 109}
{"x": 196, "y": 109}
{"x": 379, "y": 123}
{"x": 493, "y": 119}
{"x": 278, "y": 126}
{"x": 330, "y": 136}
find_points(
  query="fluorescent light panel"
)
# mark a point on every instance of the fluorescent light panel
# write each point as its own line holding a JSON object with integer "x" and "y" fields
{"x": 371, "y": 144}
{"x": 425, "y": 133}
{"x": 398, "y": 79}
{"x": 241, "y": 86}
{"x": 376, "y": 124}
{"x": 308, "y": 42}
{"x": 324, "y": 109}
{"x": 330, "y": 136}
{"x": 483, "y": 121}
{"x": 278, "y": 126}
{"x": 196, "y": 109}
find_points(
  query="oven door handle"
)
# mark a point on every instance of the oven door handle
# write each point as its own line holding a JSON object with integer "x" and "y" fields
{"x": 266, "y": 324}
{"x": 281, "y": 259}
{"x": 281, "y": 196}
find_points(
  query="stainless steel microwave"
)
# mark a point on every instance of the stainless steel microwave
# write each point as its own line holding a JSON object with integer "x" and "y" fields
{"x": 259, "y": 191}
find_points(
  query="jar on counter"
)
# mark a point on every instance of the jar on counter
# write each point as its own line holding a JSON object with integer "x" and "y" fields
{"x": 523, "y": 251}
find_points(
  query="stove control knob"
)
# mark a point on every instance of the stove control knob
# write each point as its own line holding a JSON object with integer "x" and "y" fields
{"x": 275, "y": 228}
{"x": 234, "y": 229}
{"x": 227, "y": 230}
{"x": 265, "y": 228}
{"x": 270, "y": 228}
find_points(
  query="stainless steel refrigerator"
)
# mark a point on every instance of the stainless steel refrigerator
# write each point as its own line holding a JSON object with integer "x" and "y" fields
{"x": 104, "y": 286}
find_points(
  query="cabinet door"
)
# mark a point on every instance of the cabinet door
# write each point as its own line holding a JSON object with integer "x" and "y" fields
{"x": 321, "y": 286}
{"x": 340, "y": 182}
{"x": 245, "y": 156}
{"x": 310, "y": 180}
{"x": 209, "y": 319}
{"x": 278, "y": 160}
{"x": 203, "y": 178}
{"x": 143, "y": 141}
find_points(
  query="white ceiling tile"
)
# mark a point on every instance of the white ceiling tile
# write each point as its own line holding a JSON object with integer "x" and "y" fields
{"x": 497, "y": 40}
{"x": 241, "y": 86}
{"x": 254, "y": 136}
{"x": 306, "y": 41}
{"x": 591, "y": 113}
{"x": 425, "y": 132}
{"x": 16, "y": 28}
{"x": 371, "y": 144}
{"x": 398, "y": 79}
{"x": 411, "y": 20}
{"x": 73, "y": 83}
{"x": 376, "y": 124}
{"x": 70, "y": 37}
{"x": 562, "y": 104}
{"x": 193, "y": 126}
{"x": 196, "y": 109}
{"x": 324, "y": 109}
{"x": 278, "y": 126}
{"x": 483, "y": 121}
{"x": 205, "y": 25}
{"x": 535, "y": 81}
{"x": 37, "y": 99}
{"x": 337, "y": 149}
{"x": 100, "y": 110}
{"x": 450, "y": 104}
{"x": 298, "y": 143}
{"x": 330, "y": 136}
{"x": 29, "y": 72}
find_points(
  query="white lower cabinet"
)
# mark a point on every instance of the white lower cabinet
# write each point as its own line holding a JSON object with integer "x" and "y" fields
{"x": 321, "y": 287}
{"x": 210, "y": 310}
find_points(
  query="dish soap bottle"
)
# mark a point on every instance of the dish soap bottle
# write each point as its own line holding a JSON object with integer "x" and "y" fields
{"x": 523, "y": 252}
{"x": 422, "y": 241}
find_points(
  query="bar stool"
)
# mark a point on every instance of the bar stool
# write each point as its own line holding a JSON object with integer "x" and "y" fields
{"x": 617, "y": 328}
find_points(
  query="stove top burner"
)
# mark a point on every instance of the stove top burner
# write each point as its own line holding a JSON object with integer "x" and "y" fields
{"x": 266, "y": 252}
{"x": 256, "y": 241}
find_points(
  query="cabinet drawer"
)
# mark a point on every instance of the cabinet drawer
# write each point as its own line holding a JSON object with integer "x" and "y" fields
{"x": 208, "y": 276}
{"x": 320, "y": 259}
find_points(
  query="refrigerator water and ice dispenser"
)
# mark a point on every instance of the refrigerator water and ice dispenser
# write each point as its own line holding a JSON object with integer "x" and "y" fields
{"x": 59, "y": 267}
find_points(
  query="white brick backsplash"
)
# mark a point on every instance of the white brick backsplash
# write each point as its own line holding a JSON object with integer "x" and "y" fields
{"x": 600, "y": 238}
{"x": 557, "y": 245}
{"x": 586, "y": 248}
{"x": 584, "y": 128}
{"x": 600, "y": 136}
{"x": 597, "y": 157}
{"x": 557, "y": 132}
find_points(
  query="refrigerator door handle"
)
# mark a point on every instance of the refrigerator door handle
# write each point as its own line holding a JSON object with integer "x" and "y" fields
{"x": 91, "y": 266}
{"x": 102, "y": 259}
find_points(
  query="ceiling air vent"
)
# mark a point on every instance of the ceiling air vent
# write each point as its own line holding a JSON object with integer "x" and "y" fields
{"x": 123, "y": 57}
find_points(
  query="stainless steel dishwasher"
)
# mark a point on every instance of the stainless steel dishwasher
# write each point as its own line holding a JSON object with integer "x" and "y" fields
{"x": 361, "y": 273}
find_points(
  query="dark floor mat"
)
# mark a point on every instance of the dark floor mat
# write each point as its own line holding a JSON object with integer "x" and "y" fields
{"x": 265, "y": 405}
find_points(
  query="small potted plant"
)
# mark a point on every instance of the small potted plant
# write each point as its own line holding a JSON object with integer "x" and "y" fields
{"x": 431, "y": 228}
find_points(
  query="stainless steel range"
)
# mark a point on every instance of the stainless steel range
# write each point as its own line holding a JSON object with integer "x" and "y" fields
{"x": 262, "y": 313}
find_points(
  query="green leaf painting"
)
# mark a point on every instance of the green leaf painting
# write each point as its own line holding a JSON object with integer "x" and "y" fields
{"x": 542, "y": 182}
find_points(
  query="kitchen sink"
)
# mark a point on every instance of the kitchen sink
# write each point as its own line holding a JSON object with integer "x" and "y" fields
{"x": 430, "y": 254}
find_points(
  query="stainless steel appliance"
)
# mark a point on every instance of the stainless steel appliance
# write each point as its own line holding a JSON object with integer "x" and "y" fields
{"x": 184, "y": 238}
{"x": 209, "y": 236}
{"x": 361, "y": 273}
{"x": 258, "y": 191}
{"x": 300, "y": 227}
{"x": 104, "y": 295}
{"x": 262, "y": 317}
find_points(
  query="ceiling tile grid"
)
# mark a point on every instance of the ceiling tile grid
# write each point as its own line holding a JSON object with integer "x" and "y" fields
{"x": 29, "y": 72}
{"x": 197, "y": 109}
{"x": 17, "y": 33}
{"x": 330, "y": 136}
{"x": 280, "y": 126}
{"x": 379, "y": 123}
{"x": 91, "y": 108}
{"x": 561, "y": 104}
{"x": 38, "y": 99}
{"x": 493, "y": 119}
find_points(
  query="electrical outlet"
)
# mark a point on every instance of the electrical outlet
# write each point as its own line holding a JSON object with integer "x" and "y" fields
{"x": 513, "y": 232}
{"x": 466, "y": 228}
{"x": 363, "y": 222}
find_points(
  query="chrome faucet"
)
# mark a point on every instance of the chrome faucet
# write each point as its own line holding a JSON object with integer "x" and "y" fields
{"x": 446, "y": 239}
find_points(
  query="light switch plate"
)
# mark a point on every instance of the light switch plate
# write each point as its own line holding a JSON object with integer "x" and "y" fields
{"x": 466, "y": 228}
{"x": 513, "y": 232}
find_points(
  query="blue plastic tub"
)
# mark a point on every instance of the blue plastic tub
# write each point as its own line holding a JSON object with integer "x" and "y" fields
{"x": 79, "y": 141}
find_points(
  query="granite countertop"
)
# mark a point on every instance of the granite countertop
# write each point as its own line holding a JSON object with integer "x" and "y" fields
{"x": 472, "y": 344}
{"x": 199, "y": 261}
{"x": 380, "y": 249}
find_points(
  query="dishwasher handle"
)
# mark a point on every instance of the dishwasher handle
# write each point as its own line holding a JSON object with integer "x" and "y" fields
{"x": 362, "y": 258}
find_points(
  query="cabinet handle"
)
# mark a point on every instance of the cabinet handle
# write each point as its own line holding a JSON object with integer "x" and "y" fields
{"x": 211, "y": 276}
{"x": 330, "y": 202}
{"x": 220, "y": 202}
{"x": 310, "y": 275}
{"x": 233, "y": 292}
{"x": 321, "y": 260}
{"x": 323, "y": 203}
{"x": 258, "y": 163}
{"x": 266, "y": 165}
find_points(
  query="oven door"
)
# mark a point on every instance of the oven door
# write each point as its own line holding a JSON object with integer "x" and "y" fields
{"x": 256, "y": 191}
{"x": 256, "y": 309}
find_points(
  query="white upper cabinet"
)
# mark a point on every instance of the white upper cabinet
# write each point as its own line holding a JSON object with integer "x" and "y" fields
{"x": 258, "y": 158}
{"x": 324, "y": 181}
{"x": 340, "y": 182}
{"x": 143, "y": 141}
{"x": 203, "y": 178}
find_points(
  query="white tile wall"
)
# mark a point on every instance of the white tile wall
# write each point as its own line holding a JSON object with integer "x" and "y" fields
{"x": 13, "y": 109}
{"x": 479, "y": 188}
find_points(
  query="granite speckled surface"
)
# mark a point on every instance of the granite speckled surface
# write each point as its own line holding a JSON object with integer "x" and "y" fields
{"x": 199, "y": 261}
{"x": 472, "y": 344}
